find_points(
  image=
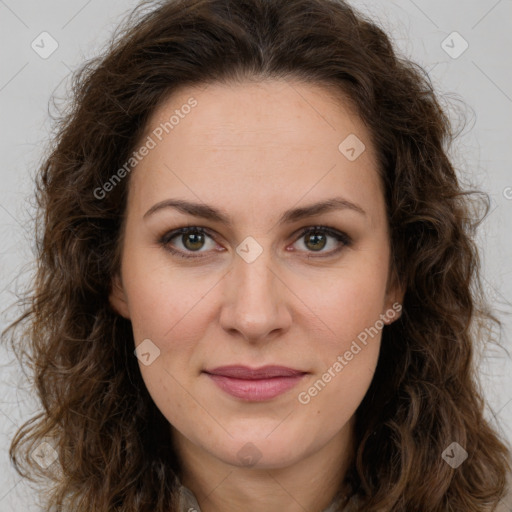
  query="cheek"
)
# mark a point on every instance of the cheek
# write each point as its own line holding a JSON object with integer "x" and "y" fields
{"x": 172, "y": 307}
{"x": 346, "y": 351}
{"x": 162, "y": 297}
{"x": 348, "y": 346}
{"x": 349, "y": 303}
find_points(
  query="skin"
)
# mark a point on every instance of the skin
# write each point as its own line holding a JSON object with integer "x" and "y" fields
{"x": 254, "y": 150}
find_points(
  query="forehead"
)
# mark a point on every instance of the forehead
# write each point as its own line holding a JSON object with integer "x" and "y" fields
{"x": 264, "y": 143}
{"x": 255, "y": 112}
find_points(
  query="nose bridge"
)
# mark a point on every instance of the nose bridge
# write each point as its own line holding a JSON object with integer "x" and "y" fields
{"x": 253, "y": 301}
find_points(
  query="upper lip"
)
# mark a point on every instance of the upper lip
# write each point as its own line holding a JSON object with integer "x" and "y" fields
{"x": 264, "y": 372}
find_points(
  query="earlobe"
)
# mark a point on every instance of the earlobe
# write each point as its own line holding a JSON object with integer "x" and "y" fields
{"x": 393, "y": 313}
{"x": 395, "y": 299}
{"x": 117, "y": 297}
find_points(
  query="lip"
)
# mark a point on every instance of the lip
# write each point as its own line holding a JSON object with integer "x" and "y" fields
{"x": 255, "y": 384}
{"x": 245, "y": 372}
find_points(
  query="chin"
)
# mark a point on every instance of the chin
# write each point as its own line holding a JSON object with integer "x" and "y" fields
{"x": 261, "y": 451}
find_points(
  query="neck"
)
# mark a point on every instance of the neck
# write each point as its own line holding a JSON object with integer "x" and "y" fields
{"x": 310, "y": 483}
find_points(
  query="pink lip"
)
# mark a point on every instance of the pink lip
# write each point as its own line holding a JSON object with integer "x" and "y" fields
{"x": 257, "y": 384}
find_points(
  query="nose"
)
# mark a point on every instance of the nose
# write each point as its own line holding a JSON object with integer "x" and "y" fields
{"x": 255, "y": 300}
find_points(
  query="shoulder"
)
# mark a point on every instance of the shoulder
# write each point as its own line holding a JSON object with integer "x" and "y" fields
{"x": 506, "y": 502}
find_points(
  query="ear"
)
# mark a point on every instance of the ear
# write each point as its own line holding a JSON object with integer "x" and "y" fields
{"x": 117, "y": 297}
{"x": 394, "y": 299}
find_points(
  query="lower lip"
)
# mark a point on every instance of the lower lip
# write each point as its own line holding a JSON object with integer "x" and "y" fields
{"x": 256, "y": 390}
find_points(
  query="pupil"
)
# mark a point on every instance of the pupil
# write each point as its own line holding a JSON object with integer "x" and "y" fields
{"x": 198, "y": 237}
{"x": 316, "y": 245}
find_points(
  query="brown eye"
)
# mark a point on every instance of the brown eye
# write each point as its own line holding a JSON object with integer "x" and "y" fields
{"x": 317, "y": 238}
{"x": 192, "y": 240}
{"x": 315, "y": 241}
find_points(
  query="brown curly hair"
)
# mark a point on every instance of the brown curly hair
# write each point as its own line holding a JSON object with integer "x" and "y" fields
{"x": 113, "y": 444}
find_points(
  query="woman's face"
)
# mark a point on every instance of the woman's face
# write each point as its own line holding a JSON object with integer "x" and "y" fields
{"x": 252, "y": 165}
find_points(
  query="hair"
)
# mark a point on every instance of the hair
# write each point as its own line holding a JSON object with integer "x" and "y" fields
{"x": 114, "y": 446}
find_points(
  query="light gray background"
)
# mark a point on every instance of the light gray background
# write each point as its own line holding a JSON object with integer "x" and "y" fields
{"x": 481, "y": 77}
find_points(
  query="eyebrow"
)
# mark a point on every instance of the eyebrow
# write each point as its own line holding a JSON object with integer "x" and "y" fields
{"x": 209, "y": 212}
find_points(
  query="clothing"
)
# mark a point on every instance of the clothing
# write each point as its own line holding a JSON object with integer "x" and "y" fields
{"x": 188, "y": 502}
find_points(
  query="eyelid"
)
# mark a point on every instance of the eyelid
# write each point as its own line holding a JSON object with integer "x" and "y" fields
{"x": 342, "y": 238}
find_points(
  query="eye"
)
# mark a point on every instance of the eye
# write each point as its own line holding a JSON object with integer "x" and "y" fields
{"x": 193, "y": 238}
{"x": 316, "y": 239}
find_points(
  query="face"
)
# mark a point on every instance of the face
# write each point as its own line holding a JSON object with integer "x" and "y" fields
{"x": 263, "y": 277}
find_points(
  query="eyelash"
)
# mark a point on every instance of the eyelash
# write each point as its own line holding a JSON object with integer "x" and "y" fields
{"x": 341, "y": 237}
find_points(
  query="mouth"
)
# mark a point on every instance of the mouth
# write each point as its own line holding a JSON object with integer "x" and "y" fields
{"x": 255, "y": 384}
